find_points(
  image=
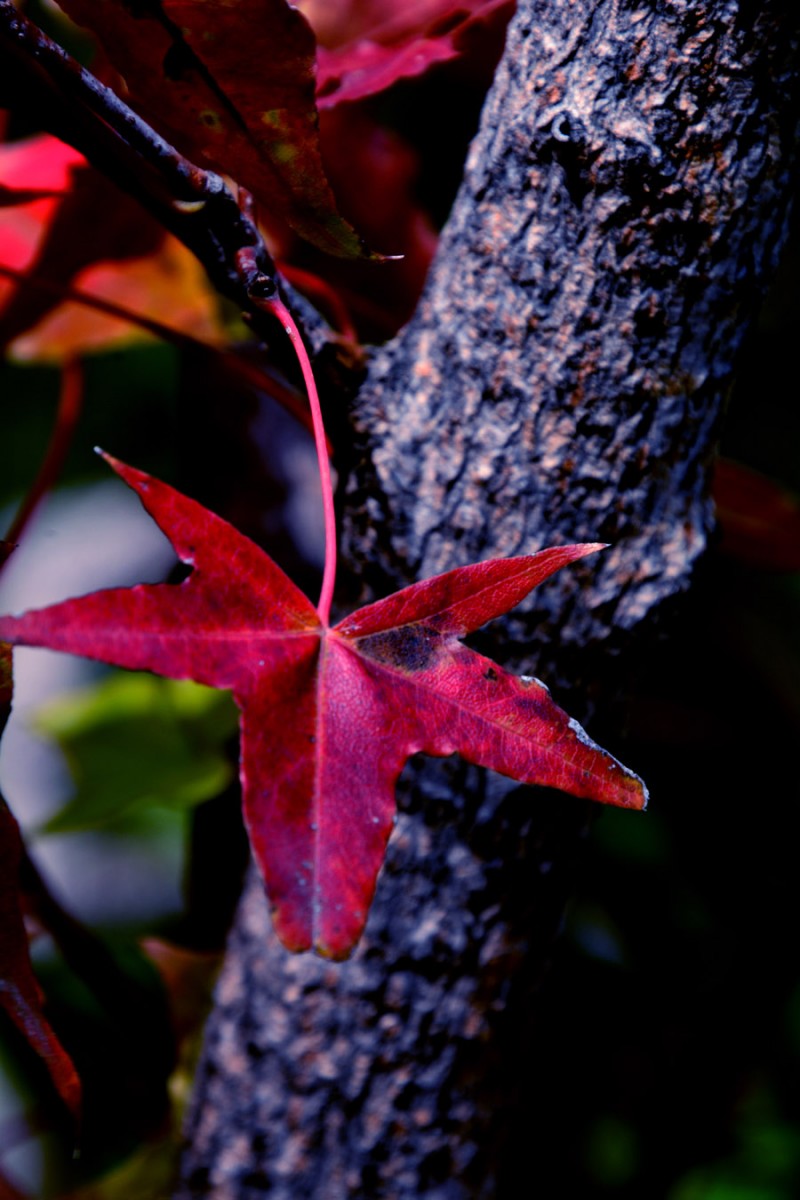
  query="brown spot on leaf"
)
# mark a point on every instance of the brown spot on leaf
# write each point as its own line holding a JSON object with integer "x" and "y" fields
{"x": 410, "y": 648}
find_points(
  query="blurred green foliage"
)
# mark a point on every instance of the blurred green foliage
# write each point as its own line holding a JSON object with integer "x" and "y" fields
{"x": 162, "y": 743}
{"x": 129, "y": 409}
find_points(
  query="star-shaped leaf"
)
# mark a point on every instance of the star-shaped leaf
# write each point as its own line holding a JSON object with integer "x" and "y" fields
{"x": 329, "y": 715}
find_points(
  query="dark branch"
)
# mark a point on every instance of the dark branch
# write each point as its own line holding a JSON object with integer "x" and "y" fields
{"x": 195, "y": 205}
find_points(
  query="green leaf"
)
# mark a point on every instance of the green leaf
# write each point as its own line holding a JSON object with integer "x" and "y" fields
{"x": 161, "y": 742}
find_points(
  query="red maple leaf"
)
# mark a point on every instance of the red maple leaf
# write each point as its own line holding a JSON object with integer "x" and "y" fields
{"x": 330, "y": 714}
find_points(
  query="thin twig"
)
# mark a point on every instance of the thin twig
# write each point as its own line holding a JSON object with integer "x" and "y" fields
{"x": 88, "y": 956}
{"x": 37, "y": 75}
{"x": 238, "y": 367}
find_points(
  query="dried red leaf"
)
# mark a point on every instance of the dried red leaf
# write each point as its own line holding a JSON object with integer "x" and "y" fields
{"x": 20, "y": 996}
{"x": 242, "y": 104}
{"x": 329, "y": 716}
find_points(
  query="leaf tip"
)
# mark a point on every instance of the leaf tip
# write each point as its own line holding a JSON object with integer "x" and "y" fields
{"x": 114, "y": 463}
{"x": 128, "y": 474}
{"x": 645, "y": 796}
{"x": 640, "y": 796}
{"x": 333, "y": 954}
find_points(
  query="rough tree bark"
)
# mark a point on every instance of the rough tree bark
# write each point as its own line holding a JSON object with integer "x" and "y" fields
{"x": 562, "y": 379}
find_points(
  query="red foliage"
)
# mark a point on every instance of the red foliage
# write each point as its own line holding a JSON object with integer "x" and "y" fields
{"x": 241, "y": 104}
{"x": 84, "y": 231}
{"x": 367, "y": 48}
{"x": 330, "y": 715}
{"x": 375, "y": 171}
{"x": 33, "y": 175}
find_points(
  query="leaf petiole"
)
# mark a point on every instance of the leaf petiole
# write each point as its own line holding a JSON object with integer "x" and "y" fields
{"x": 279, "y": 310}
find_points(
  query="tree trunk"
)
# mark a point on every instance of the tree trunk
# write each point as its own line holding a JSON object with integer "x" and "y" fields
{"x": 562, "y": 380}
